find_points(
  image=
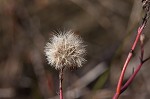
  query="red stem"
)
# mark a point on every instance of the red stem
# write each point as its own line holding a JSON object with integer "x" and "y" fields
{"x": 116, "y": 96}
{"x": 131, "y": 78}
{"x": 128, "y": 82}
{"x": 136, "y": 71}
{"x": 61, "y": 94}
{"x": 60, "y": 84}
{"x": 127, "y": 61}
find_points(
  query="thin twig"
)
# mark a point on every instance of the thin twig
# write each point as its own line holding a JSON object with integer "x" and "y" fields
{"x": 131, "y": 78}
{"x": 137, "y": 70}
{"x": 129, "y": 58}
{"x": 79, "y": 87}
{"x": 60, "y": 84}
{"x": 140, "y": 29}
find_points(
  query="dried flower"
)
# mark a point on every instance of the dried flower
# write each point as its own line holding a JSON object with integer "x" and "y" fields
{"x": 65, "y": 50}
{"x": 146, "y": 5}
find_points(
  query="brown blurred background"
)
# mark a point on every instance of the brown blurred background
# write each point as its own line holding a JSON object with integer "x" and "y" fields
{"x": 108, "y": 28}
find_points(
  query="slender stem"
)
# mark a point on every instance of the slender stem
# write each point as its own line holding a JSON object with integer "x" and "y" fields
{"x": 123, "y": 72}
{"x": 60, "y": 84}
{"x": 137, "y": 70}
{"x": 128, "y": 82}
{"x": 129, "y": 58}
{"x": 130, "y": 79}
{"x": 116, "y": 96}
{"x": 140, "y": 29}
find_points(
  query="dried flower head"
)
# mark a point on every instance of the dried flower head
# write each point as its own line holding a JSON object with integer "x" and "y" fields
{"x": 146, "y": 5}
{"x": 65, "y": 50}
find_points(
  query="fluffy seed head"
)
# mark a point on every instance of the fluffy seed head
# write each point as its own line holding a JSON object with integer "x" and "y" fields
{"x": 65, "y": 50}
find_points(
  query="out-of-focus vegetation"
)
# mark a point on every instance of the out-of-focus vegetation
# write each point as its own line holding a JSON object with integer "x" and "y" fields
{"x": 108, "y": 28}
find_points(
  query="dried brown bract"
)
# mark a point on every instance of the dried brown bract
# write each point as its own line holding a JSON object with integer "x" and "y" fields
{"x": 146, "y": 5}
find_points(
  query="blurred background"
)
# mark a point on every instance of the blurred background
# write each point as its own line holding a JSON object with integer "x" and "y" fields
{"x": 108, "y": 28}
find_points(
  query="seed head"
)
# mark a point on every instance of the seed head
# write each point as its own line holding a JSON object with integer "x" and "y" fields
{"x": 65, "y": 50}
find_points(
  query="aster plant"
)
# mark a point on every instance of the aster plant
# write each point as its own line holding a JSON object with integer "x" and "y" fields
{"x": 65, "y": 50}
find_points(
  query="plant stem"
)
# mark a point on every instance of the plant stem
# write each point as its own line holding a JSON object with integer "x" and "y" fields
{"x": 60, "y": 84}
{"x": 116, "y": 96}
{"x": 121, "y": 89}
{"x": 137, "y": 70}
{"x": 129, "y": 58}
{"x": 130, "y": 79}
{"x": 140, "y": 29}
